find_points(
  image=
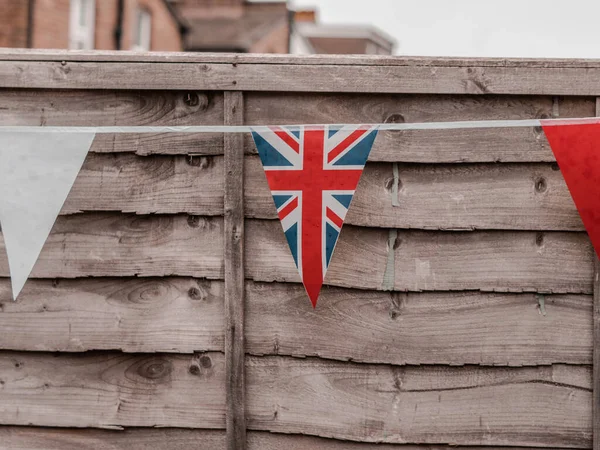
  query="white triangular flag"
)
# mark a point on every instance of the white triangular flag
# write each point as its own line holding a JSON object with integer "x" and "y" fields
{"x": 37, "y": 171}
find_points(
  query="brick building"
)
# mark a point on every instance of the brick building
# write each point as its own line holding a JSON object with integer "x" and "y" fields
{"x": 91, "y": 24}
{"x": 236, "y": 25}
{"x": 174, "y": 25}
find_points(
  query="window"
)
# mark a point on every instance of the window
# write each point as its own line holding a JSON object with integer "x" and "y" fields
{"x": 81, "y": 24}
{"x": 143, "y": 31}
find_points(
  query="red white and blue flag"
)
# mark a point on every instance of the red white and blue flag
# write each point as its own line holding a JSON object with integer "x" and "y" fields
{"x": 313, "y": 173}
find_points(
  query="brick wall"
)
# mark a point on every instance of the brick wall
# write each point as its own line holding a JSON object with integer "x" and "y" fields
{"x": 106, "y": 23}
{"x": 13, "y": 32}
{"x": 274, "y": 42}
{"x": 211, "y": 3}
{"x": 165, "y": 29}
{"x": 51, "y": 24}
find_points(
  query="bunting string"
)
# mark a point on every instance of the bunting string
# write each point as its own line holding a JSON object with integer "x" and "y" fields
{"x": 312, "y": 171}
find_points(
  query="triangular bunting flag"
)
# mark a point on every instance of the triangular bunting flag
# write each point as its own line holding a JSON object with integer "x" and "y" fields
{"x": 313, "y": 173}
{"x": 37, "y": 171}
{"x": 577, "y": 151}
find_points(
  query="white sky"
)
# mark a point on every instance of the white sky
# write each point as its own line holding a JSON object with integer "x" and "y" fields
{"x": 518, "y": 28}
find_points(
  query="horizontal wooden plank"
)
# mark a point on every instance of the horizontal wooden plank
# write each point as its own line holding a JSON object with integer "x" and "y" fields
{"x": 475, "y": 145}
{"x": 146, "y": 185}
{"x": 421, "y": 260}
{"x": 273, "y": 441}
{"x": 104, "y": 244}
{"x": 184, "y": 315}
{"x": 179, "y": 315}
{"x": 459, "y": 406}
{"x": 112, "y": 390}
{"x": 26, "y": 107}
{"x": 10, "y": 54}
{"x": 112, "y": 108}
{"x": 542, "y": 406}
{"x": 465, "y": 196}
{"x": 489, "y": 196}
{"x": 420, "y": 328}
{"x": 478, "y": 196}
{"x": 78, "y": 75}
{"x": 416, "y": 79}
{"x": 34, "y": 438}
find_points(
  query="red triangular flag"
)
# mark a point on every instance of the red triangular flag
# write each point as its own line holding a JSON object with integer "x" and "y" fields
{"x": 577, "y": 151}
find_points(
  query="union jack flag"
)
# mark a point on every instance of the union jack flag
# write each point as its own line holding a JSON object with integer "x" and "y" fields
{"x": 313, "y": 173}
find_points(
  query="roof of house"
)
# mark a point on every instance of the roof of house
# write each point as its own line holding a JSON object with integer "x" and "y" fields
{"x": 237, "y": 33}
{"x": 183, "y": 27}
{"x": 342, "y": 38}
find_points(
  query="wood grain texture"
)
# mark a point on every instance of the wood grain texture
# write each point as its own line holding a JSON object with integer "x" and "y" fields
{"x": 542, "y": 406}
{"x": 110, "y": 108}
{"x": 273, "y": 441}
{"x": 420, "y": 328}
{"x": 179, "y": 315}
{"x": 535, "y": 406}
{"x": 413, "y": 79}
{"x": 465, "y": 196}
{"x": 147, "y": 185}
{"x": 474, "y": 196}
{"x": 31, "y": 438}
{"x": 122, "y": 108}
{"x": 49, "y": 107}
{"x": 490, "y": 260}
{"x": 427, "y": 146}
{"x": 184, "y": 315}
{"x": 112, "y": 390}
{"x": 103, "y": 244}
{"x": 234, "y": 275}
{"x": 502, "y": 196}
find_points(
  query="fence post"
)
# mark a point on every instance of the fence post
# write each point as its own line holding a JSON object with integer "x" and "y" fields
{"x": 596, "y": 345}
{"x": 234, "y": 274}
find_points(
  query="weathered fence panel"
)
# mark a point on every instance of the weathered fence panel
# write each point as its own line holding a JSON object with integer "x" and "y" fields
{"x": 166, "y": 295}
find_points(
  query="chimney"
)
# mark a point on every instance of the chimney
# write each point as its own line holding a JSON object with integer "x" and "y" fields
{"x": 305, "y": 16}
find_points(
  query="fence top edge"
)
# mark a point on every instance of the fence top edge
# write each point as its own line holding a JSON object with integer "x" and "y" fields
{"x": 42, "y": 55}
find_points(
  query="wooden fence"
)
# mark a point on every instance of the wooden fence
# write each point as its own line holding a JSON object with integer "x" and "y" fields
{"x": 459, "y": 307}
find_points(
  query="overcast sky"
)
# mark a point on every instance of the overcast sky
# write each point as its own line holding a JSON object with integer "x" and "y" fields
{"x": 525, "y": 28}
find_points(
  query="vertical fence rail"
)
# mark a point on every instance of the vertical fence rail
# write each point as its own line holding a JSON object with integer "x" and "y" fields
{"x": 596, "y": 345}
{"x": 234, "y": 274}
